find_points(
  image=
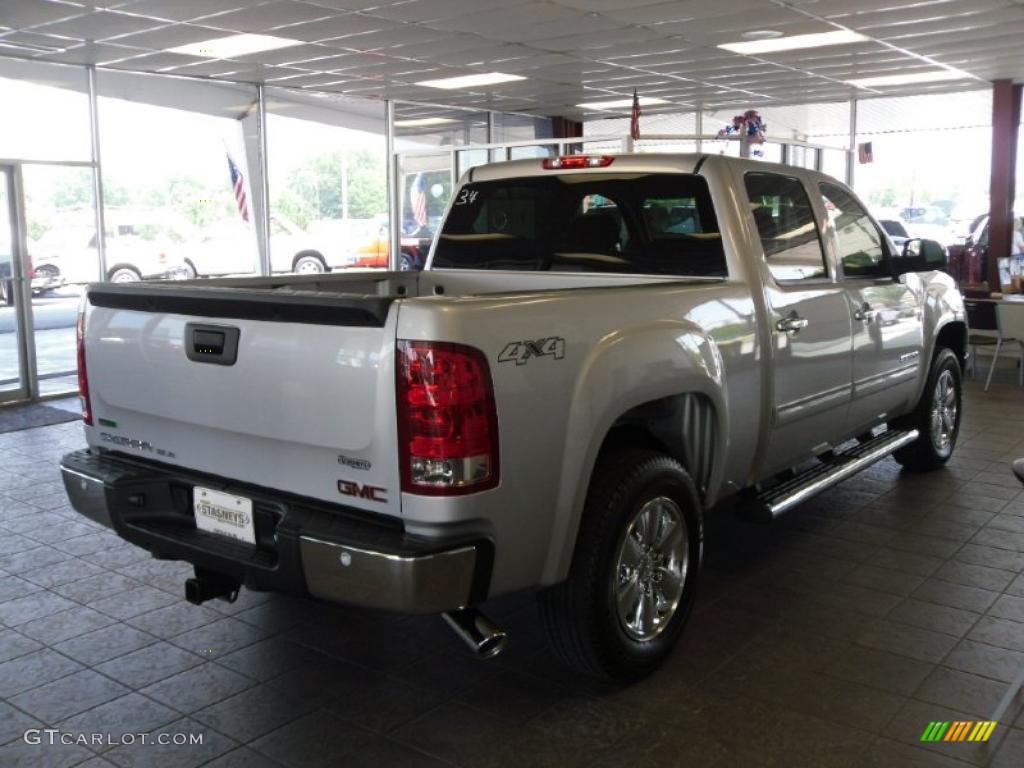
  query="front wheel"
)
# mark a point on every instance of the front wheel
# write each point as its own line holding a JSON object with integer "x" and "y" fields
{"x": 310, "y": 264}
{"x": 937, "y": 417}
{"x": 633, "y": 578}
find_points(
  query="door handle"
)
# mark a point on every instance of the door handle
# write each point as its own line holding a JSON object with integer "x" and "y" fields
{"x": 865, "y": 313}
{"x": 791, "y": 323}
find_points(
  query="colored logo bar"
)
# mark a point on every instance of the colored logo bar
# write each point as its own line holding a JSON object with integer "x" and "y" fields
{"x": 958, "y": 730}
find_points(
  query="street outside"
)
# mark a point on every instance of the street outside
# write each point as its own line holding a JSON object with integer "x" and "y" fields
{"x": 54, "y": 317}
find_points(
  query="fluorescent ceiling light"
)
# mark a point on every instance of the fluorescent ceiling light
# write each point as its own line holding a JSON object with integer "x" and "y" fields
{"x": 234, "y": 45}
{"x": 645, "y": 101}
{"x": 796, "y": 42}
{"x": 420, "y": 122}
{"x": 469, "y": 81}
{"x": 931, "y": 76}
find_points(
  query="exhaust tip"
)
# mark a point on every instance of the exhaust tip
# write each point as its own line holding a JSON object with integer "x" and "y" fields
{"x": 478, "y": 632}
{"x": 193, "y": 591}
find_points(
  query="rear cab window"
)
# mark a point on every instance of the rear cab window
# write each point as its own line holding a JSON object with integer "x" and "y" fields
{"x": 787, "y": 228}
{"x": 657, "y": 224}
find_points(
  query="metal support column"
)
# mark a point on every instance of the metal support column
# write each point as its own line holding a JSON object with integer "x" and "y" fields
{"x": 97, "y": 173}
{"x": 263, "y": 230}
{"x": 1006, "y": 106}
{"x": 699, "y": 129}
{"x": 851, "y": 153}
{"x": 394, "y": 190}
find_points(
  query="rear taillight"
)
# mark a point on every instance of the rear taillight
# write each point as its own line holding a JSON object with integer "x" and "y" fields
{"x": 83, "y": 376}
{"x": 447, "y": 423}
{"x": 568, "y": 162}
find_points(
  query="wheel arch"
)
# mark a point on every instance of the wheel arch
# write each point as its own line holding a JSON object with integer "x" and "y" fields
{"x": 683, "y": 426}
{"x": 953, "y": 336}
{"x": 690, "y": 426}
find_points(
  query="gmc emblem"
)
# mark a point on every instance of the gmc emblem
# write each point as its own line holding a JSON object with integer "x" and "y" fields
{"x": 369, "y": 492}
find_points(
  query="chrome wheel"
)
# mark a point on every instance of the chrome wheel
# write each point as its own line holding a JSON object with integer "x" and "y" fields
{"x": 651, "y": 569}
{"x": 944, "y": 414}
{"x": 309, "y": 265}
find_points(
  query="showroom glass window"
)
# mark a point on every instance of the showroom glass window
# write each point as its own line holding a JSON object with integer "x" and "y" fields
{"x": 787, "y": 228}
{"x": 180, "y": 177}
{"x": 327, "y": 172}
{"x": 857, "y": 242}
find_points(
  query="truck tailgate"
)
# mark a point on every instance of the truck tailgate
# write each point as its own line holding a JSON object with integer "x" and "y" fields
{"x": 307, "y": 404}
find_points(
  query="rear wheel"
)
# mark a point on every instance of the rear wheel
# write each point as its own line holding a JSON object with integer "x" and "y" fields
{"x": 123, "y": 274}
{"x": 936, "y": 418}
{"x": 309, "y": 264}
{"x": 633, "y": 578}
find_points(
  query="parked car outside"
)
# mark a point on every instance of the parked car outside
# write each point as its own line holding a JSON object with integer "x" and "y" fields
{"x": 374, "y": 250}
{"x": 140, "y": 245}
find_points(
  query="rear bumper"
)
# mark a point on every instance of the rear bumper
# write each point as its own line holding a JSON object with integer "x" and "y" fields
{"x": 303, "y": 546}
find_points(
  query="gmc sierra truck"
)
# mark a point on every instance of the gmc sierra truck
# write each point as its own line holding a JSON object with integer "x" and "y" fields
{"x": 601, "y": 350}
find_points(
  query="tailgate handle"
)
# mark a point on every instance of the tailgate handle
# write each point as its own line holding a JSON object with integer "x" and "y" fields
{"x": 217, "y": 344}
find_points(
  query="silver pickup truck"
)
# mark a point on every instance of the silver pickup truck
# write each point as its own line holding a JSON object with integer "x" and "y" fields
{"x": 602, "y": 349}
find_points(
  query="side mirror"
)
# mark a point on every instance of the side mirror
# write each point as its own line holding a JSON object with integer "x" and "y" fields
{"x": 930, "y": 252}
{"x": 920, "y": 255}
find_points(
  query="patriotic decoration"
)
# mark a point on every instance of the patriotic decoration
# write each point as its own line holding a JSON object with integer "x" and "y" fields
{"x": 634, "y": 118}
{"x": 238, "y": 185}
{"x": 418, "y": 199}
{"x": 865, "y": 153}
{"x": 748, "y": 124}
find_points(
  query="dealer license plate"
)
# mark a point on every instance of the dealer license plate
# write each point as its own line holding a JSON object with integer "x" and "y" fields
{"x": 224, "y": 514}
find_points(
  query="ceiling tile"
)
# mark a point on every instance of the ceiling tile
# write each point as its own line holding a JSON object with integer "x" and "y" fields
{"x": 269, "y": 18}
{"x": 98, "y": 25}
{"x": 169, "y": 36}
{"x": 25, "y": 13}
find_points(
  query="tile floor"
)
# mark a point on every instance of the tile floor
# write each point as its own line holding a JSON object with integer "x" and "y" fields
{"x": 831, "y": 638}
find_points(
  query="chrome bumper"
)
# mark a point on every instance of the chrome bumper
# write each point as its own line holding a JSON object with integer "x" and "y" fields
{"x": 316, "y": 549}
{"x": 427, "y": 583}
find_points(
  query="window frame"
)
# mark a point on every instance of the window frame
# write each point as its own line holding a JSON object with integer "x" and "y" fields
{"x": 887, "y": 252}
{"x": 827, "y": 257}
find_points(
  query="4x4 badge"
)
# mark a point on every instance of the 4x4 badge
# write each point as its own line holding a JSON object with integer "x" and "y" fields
{"x": 521, "y": 351}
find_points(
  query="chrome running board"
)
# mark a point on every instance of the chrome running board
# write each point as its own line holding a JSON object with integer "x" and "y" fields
{"x": 786, "y": 495}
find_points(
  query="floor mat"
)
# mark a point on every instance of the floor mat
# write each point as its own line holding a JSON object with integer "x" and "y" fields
{"x": 27, "y": 416}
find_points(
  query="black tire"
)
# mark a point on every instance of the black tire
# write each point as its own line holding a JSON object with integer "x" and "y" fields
{"x": 405, "y": 263}
{"x": 931, "y": 451}
{"x": 580, "y": 615}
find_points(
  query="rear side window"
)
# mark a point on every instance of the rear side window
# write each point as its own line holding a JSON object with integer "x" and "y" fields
{"x": 786, "y": 226}
{"x": 857, "y": 241}
{"x": 661, "y": 224}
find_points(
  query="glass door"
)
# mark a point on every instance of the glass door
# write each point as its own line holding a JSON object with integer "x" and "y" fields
{"x": 13, "y": 316}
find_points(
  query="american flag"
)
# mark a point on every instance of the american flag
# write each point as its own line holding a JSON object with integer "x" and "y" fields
{"x": 865, "y": 153}
{"x": 418, "y": 199}
{"x": 634, "y": 118}
{"x": 238, "y": 184}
